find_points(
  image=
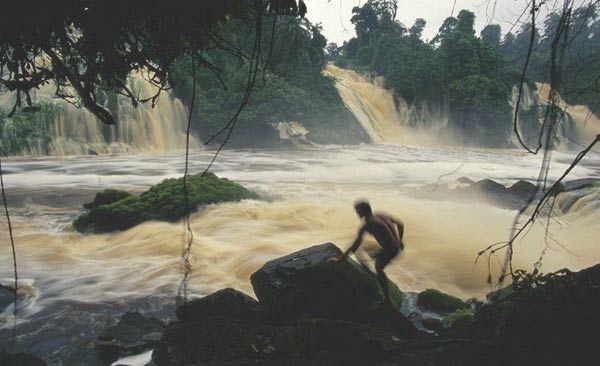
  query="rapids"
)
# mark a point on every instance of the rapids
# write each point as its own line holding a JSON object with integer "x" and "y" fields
{"x": 76, "y": 284}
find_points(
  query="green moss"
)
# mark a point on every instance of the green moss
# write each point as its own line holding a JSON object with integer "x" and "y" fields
{"x": 105, "y": 197}
{"x": 438, "y": 301}
{"x": 460, "y": 315}
{"x": 114, "y": 210}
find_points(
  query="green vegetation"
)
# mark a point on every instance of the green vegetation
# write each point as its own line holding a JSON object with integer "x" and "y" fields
{"x": 27, "y": 127}
{"x": 435, "y": 300}
{"x": 578, "y": 46}
{"x": 473, "y": 77}
{"x": 117, "y": 210}
{"x": 456, "y": 69}
{"x": 292, "y": 88}
{"x": 93, "y": 45}
{"x": 458, "y": 316}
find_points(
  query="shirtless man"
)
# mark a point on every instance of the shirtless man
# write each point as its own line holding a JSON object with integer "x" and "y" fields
{"x": 383, "y": 228}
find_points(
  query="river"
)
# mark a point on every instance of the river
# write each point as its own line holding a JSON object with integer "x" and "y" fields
{"x": 76, "y": 283}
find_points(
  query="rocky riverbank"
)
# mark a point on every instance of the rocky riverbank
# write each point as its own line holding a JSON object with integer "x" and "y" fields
{"x": 311, "y": 312}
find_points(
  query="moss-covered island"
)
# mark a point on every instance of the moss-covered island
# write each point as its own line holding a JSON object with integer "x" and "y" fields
{"x": 114, "y": 210}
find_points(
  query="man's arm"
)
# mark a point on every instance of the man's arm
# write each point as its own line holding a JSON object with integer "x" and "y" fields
{"x": 356, "y": 244}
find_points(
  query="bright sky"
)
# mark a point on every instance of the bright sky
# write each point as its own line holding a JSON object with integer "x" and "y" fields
{"x": 335, "y": 14}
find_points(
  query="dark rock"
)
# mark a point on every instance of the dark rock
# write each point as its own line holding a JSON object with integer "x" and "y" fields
{"x": 522, "y": 189}
{"x": 346, "y": 343}
{"x": 134, "y": 333}
{"x": 405, "y": 359}
{"x": 19, "y": 359}
{"x": 432, "y": 324}
{"x": 489, "y": 187}
{"x": 389, "y": 319}
{"x": 227, "y": 302}
{"x": 449, "y": 352}
{"x": 581, "y": 183}
{"x": 305, "y": 283}
{"x": 224, "y": 341}
{"x": 438, "y": 301}
{"x": 7, "y": 296}
{"x": 465, "y": 180}
{"x": 545, "y": 319}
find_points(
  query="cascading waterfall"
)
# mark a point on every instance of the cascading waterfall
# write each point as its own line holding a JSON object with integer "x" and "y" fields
{"x": 578, "y": 125}
{"x": 76, "y": 131}
{"x": 385, "y": 121}
{"x": 582, "y": 125}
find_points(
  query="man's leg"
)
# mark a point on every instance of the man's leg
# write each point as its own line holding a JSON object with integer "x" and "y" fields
{"x": 382, "y": 261}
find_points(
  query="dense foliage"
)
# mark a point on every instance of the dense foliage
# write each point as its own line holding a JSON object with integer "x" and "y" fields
{"x": 473, "y": 77}
{"x": 90, "y": 45}
{"x": 291, "y": 88}
{"x": 578, "y": 60}
{"x": 26, "y": 127}
{"x": 456, "y": 69}
{"x": 116, "y": 210}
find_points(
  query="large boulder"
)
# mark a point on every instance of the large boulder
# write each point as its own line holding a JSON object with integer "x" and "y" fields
{"x": 306, "y": 283}
{"x": 227, "y": 302}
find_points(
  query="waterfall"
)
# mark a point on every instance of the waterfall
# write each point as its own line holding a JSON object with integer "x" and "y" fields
{"x": 76, "y": 131}
{"x": 578, "y": 126}
{"x": 585, "y": 124}
{"x": 385, "y": 117}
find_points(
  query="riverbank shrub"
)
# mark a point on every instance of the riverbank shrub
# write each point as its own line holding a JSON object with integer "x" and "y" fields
{"x": 114, "y": 210}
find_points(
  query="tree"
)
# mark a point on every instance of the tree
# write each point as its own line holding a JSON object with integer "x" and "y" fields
{"x": 332, "y": 51}
{"x": 492, "y": 34}
{"x": 416, "y": 31}
{"x": 92, "y": 45}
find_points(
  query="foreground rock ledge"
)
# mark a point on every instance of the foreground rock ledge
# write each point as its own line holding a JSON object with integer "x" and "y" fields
{"x": 305, "y": 283}
{"x": 310, "y": 312}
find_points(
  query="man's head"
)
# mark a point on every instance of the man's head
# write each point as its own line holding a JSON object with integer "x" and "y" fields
{"x": 363, "y": 209}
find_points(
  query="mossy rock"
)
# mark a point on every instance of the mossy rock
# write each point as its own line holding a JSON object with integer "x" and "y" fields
{"x": 106, "y": 197}
{"x": 114, "y": 210}
{"x": 458, "y": 317}
{"x": 435, "y": 300}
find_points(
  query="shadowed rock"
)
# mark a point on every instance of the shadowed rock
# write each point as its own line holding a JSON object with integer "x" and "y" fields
{"x": 133, "y": 333}
{"x": 19, "y": 359}
{"x": 7, "y": 296}
{"x": 224, "y": 341}
{"x": 227, "y": 302}
{"x": 305, "y": 283}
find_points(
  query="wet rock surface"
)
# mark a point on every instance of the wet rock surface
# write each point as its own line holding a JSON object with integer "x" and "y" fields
{"x": 511, "y": 197}
{"x": 306, "y": 284}
{"x": 133, "y": 333}
{"x": 310, "y": 312}
{"x": 7, "y": 296}
{"x": 536, "y": 320}
{"x": 227, "y": 302}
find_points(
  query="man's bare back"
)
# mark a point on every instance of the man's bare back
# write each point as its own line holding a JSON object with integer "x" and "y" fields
{"x": 388, "y": 231}
{"x": 383, "y": 228}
